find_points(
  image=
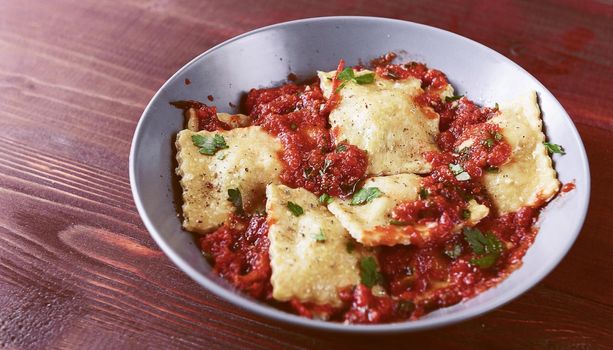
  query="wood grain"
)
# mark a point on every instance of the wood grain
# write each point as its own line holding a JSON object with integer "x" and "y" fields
{"x": 79, "y": 270}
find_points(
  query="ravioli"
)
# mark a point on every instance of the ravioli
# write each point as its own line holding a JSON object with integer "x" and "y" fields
{"x": 528, "y": 178}
{"x": 382, "y": 119}
{"x": 370, "y": 224}
{"x": 308, "y": 253}
{"x": 249, "y": 163}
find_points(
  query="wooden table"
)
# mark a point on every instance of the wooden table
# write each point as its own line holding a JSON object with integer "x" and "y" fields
{"x": 77, "y": 267}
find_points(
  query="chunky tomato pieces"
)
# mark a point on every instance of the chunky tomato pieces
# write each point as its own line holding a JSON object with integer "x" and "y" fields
{"x": 297, "y": 116}
{"x": 239, "y": 251}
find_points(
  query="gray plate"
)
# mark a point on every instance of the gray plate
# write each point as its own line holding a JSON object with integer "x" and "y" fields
{"x": 265, "y": 57}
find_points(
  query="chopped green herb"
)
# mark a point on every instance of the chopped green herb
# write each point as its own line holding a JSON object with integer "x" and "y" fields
{"x": 341, "y": 148}
{"x": 463, "y": 150}
{"x": 492, "y": 169}
{"x": 497, "y": 136}
{"x": 325, "y": 199}
{"x": 453, "y": 98}
{"x": 489, "y": 143}
{"x": 295, "y": 208}
{"x": 454, "y": 252}
{"x": 465, "y": 214}
{"x": 306, "y": 172}
{"x": 209, "y": 145}
{"x": 496, "y": 106}
{"x": 234, "y": 196}
{"x": 487, "y": 246}
{"x": 348, "y": 75}
{"x": 369, "y": 272}
{"x": 327, "y": 164}
{"x": 293, "y": 126}
{"x": 456, "y": 168}
{"x": 221, "y": 156}
{"x": 554, "y": 148}
{"x": 320, "y": 237}
{"x": 424, "y": 193}
{"x": 459, "y": 172}
{"x": 350, "y": 247}
{"x": 365, "y": 195}
{"x": 398, "y": 223}
{"x": 368, "y": 78}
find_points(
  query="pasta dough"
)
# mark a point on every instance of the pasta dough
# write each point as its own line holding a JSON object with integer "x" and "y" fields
{"x": 249, "y": 163}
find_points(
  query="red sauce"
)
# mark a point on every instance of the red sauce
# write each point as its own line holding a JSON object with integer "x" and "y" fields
{"x": 435, "y": 271}
{"x": 298, "y": 116}
{"x": 187, "y": 81}
{"x": 567, "y": 187}
{"x": 239, "y": 252}
{"x": 207, "y": 115}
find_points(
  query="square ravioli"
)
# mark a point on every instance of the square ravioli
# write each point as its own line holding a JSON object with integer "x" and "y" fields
{"x": 249, "y": 163}
{"x": 370, "y": 224}
{"x": 308, "y": 248}
{"x": 382, "y": 119}
{"x": 528, "y": 177}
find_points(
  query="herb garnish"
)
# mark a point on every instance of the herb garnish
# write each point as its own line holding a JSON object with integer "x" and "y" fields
{"x": 465, "y": 214}
{"x": 348, "y": 75}
{"x": 453, "y": 98}
{"x": 341, "y": 148}
{"x": 320, "y": 237}
{"x": 209, "y": 145}
{"x": 487, "y": 246}
{"x": 365, "y": 195}
{"x": 234, "y": 196}
{"x": 459, "y": 172}
{"x": 295, "y": 208}
{"x": 423, "y": 193}
{"x": 325, "y": 199}
{"x": 369, "y": 272}
{"x": 327, "y": 164}
{"x": 454, "y": 252}
{"x": 306, "y": 172}
{"x": 554, "y": 148}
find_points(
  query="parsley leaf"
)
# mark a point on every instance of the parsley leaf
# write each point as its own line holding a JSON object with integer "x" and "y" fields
{"x": 554, "y": 148}
{"x": 497, "y": 136}
{"x": 465, "y": 214}
{"x": 320, "y": 237}
{"x": 306, "y": 172}
{"x": 347, "y": 75}
{"x": 365, "y": 195}
{"x": 459, "y": 172}
{"x": 327, "y": 164}
{"x": 453, "y": 98}
{"x": 325, "y": 199}
{"x": 234, "y": 196}
{"x": 295, "y": 208}
{"x": 492, "y": 169}
{"x": 369, "y": 272}
{"x": 487, "y": 246}
{"x": 341, "y": 148}
{"x": 454, "y": 252}
{"x": 488, "y": 143}
{"x": 424, "y": 193}
{"x": 368, "y": 78}
{"x": 209, "y": 145}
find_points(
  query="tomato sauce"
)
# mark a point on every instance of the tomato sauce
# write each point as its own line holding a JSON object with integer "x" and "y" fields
{"x": 432, "y": 273}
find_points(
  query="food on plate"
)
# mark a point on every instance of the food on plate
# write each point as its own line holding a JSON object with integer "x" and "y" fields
{"x": 366, "y": 195}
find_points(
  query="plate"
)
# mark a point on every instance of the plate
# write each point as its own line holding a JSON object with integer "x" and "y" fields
{"x": 265, "y": 57}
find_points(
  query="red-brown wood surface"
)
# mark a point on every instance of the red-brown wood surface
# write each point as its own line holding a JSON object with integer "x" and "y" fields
{"x": 77, "y": 267}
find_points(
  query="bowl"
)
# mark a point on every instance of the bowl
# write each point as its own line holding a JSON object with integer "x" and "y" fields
{"x": 264, "y": 57}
